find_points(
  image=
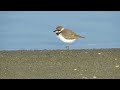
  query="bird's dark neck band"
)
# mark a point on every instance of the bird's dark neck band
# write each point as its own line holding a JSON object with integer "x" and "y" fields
{"x": 58, "y": 33}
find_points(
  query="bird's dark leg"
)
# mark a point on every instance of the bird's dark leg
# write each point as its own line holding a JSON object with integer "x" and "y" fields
{"x": 68, "y": 47}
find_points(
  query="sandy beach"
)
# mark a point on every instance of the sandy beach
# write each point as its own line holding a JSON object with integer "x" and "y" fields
{"x": 60, "y": 64}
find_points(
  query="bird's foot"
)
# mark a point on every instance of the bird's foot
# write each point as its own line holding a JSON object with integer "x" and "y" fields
{"x": 67, "y": 47}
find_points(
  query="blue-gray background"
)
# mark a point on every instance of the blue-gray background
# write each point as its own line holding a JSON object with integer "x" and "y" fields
{"x": 31, "y": 30}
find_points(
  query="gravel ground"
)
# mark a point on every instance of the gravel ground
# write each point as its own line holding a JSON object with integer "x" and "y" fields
{"x": 60, "y": 64}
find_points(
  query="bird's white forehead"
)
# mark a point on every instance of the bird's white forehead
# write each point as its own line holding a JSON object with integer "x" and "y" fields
{"x": 62, "y": 29}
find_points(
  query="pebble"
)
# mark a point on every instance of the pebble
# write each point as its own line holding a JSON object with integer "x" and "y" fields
{"x": 99, "y": 53}
{"x": 117, "y": 66}
{"x": 94, "y": 77}
{"x": 75, "y": 69}
{"x": 115, "y": 58}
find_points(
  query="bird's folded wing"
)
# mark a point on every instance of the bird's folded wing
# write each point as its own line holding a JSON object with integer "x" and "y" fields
{"x": 68, "y": 34}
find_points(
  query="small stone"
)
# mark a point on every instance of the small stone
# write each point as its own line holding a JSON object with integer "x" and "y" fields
{"x": 117, "y": 66}
{"x": 115, "y": 58}
{"x": 94, "y": 77}
{"x": 99, "y": 53}
{"x": 75, "y": 69}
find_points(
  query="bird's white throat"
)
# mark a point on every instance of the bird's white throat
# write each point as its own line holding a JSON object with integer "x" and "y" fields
{"x": 65, "y": 40}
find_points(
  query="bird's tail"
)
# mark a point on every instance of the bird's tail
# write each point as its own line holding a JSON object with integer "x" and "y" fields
{"x": 82, "y": 37}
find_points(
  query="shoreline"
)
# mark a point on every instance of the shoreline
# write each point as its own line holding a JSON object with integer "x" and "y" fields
{"x": 57, "y": 49}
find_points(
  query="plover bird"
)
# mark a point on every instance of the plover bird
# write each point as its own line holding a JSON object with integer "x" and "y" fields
{"x": 66, "y": 35}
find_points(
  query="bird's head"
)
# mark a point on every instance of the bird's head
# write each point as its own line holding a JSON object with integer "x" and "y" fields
{"x": 59, "y": 29}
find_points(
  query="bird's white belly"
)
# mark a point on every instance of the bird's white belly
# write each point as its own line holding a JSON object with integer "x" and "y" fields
{"x": 65, "y": 40}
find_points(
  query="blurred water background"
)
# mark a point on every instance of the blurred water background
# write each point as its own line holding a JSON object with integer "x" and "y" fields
{"x": 30, "y": 30}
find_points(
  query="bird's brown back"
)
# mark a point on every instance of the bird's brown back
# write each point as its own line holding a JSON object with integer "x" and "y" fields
{"x": 68, "y": 34}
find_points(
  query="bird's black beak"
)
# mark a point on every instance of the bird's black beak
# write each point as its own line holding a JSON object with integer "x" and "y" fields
{"x": 54, "y": 31}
